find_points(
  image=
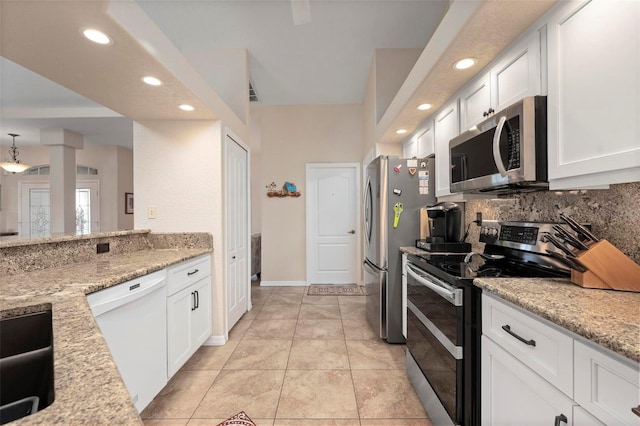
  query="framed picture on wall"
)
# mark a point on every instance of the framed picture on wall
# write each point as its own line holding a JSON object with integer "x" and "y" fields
{"x": 128, "y": 202}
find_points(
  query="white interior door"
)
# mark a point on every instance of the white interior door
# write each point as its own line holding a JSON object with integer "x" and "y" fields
{"x": 333, "y": 204}
{"x": 237, "y": 241}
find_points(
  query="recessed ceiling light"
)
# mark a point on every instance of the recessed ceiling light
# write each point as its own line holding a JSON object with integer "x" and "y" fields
{"x": 465, "y": 63}
{"x": 97, "y": 36}
{"x": 152, "y": 81}
{"x": 424, "y": 107}
{"x": 401, "y": 131}
{"x": 186, "y": 107}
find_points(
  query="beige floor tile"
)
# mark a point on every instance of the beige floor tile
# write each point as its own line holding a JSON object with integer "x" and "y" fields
{"x": 166, "y": 422}
{"x": 260, "y": 355}
{"x": 386, "y": 394}
{"x": 358, "y": 329}
{"x": 353, "y": 311}
{"x": 286, "y": 311}
{"x": 255, "y": 392}
{"x": 290, "y": 290}
{"x": 320, "y": 311}
{"x": 258, "y": 289}
{"x": 238, "y": 331}
{"x": 270, "y": 329}
{"x": 359, "y": 300}
{"x": 181, "y": 396}
{"x": 317, "y": 422}
{"x": 318, "y": 355}
{"x": 214, "y": 422}
{"x": 255, "y": 310}
{"x": 284, "y": 299}
{"x": 211, "y": 357}
{"x": 319, "y": 329}
{"x": 375, "y": 355}
{"x": 320, "y": 394}
{"x": 396, "y": 422}
{"x": 319, "y": 300}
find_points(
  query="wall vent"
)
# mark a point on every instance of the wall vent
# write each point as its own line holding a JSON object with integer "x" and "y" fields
{"x": 253, "y": 95}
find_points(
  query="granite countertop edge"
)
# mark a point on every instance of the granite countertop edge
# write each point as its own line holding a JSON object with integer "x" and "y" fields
{"x": 88, "y": 386}
{"x": 608, "y": 318}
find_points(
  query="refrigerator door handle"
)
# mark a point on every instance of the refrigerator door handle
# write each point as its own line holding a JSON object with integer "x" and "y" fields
{"x": 372, "y": 268}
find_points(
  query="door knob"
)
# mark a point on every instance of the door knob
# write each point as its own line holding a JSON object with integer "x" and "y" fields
{"x": 353, "y": 231}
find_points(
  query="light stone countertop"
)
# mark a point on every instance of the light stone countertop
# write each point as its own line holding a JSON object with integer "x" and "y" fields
{"x": 88, "y": 387}
{"x": 607, "y": 317}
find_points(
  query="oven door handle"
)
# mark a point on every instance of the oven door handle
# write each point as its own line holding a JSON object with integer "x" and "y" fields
{"x": 454, "y": 296}
{"x": 496, "y": 147}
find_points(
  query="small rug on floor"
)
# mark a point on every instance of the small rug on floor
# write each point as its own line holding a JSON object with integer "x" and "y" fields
{"x": 335, "y": 290}
{"x": 240, "y": 419}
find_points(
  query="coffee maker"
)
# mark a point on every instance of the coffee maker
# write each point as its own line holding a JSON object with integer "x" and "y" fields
{"x": 445, "y": 229}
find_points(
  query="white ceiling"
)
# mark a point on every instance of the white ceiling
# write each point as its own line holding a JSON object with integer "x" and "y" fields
{"x": 325, "y": 61}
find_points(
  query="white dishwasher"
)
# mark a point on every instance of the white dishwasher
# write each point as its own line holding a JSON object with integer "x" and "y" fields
{"x": 133, "y": 319}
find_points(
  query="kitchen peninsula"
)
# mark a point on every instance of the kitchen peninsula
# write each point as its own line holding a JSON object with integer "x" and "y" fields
{"x": 88, "y": 386}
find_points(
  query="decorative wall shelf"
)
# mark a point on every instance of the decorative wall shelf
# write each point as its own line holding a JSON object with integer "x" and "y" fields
{"x": 288, "y": 190}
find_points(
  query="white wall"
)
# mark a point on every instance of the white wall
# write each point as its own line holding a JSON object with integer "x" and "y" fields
{"x": 256, "y": 171}
{"x": 291, "y": 137}
{"x": 178, "y": 170}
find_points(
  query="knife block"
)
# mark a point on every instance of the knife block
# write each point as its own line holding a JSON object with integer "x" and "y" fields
{"x": 607, "y": 267}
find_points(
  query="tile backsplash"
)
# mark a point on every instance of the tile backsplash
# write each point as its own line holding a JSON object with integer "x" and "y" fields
{"x": 613, "y": 213}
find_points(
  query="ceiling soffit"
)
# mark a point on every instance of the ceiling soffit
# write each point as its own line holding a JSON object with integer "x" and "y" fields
{"x": 494, "y": 26}
{"x": 46, "y": 37}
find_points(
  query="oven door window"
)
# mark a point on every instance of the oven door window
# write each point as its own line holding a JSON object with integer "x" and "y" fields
{"x": 444, "y": 315}
{"x": 440, "y": 368}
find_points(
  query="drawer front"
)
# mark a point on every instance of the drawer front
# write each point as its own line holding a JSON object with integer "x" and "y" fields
{"x": 539, "y": 346}
{"x": 606, "y": 387}
{"x": 184, "y": 274}
{"x": 582, "y": 418}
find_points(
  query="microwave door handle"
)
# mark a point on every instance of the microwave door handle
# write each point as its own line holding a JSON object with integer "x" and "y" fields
{"x": 496, "y": 147}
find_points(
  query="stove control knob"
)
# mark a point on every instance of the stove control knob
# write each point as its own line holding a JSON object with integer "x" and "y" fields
{"x": 494, "y": 232}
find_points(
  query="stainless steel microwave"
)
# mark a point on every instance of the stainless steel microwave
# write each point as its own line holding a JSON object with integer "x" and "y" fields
{"x": 505, "y": 153}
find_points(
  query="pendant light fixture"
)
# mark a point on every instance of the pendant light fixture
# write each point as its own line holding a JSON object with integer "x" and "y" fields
{"x": 14, "y": 166}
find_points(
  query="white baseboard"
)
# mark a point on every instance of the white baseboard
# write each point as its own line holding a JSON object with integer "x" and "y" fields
{"x": 282, "y": 283}
{"x": 215, "y": 341}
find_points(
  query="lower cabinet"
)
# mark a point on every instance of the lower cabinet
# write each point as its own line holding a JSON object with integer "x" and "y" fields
{"x": 188, "y": 321}
{"x": 512, "y": 394}
{"x": 517, "y": 388}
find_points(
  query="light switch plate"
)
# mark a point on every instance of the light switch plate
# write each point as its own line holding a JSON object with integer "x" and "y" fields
{"x": 151, "y": 212}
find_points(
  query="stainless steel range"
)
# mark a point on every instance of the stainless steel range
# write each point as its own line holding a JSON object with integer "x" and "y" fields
{"x": 444, "y": 312}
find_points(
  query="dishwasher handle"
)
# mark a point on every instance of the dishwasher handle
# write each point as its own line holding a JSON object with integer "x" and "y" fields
{"x": 136, "y": 291}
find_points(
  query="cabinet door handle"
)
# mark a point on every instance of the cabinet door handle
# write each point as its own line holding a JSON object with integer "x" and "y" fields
{"x": 197, "y": 299}
{"x": 193, "y": 300}
{"x": 636, "y": 410}
{"x": 531, "y": 342}
{"x": 561, "y": 419}
{"x": 195, "y": 271}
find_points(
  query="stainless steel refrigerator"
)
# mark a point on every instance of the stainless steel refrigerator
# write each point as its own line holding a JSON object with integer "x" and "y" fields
{"x": 394, "y": 187}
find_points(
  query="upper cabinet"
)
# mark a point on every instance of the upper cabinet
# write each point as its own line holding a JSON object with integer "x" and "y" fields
{"x": 594, "y": 93}
{"x": 421, "y": 144}
{"x": 445, "y": 129}
{"x": 515, "y": 74}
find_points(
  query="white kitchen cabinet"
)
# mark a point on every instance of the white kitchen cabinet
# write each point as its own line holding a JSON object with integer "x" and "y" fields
{"x": 445, "y": 129}
{"x": 533, "y": 379}
{"x": 188, "y": 311}
{"x": 410, "y": 148}
{"x": 542, "y": 348}
{"x": 582, "y": 418}
{"x": 425, "y": 140}
{"x": 475, "y": 102}
{"x": 512, "y": 394}
{"x": 606, "y": 387}
{"x": 594, "y": 87}
{"x": 515, "y": 74}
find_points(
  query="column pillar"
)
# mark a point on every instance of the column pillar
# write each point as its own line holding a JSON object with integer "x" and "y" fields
{"x": 62, "y": 145}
